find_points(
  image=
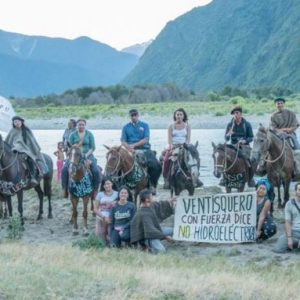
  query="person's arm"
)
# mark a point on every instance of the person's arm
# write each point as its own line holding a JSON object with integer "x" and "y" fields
{"x": 146, "y": 138}
{"x": 294, "y": 126}
{"x": 55, "y": 153}
{"x": 91, "y": 144}
{"x": 170, "y": 130}
{"x": 229, "y": 131}
{"x": 97, "y": 207}
{"x": 132, "y": 213}
{"x": 262, "y": 216}
{"x": 188, "y": 138}
{"x": 249, "y": 137}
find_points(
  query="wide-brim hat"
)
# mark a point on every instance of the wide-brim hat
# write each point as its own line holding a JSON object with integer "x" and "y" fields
{"x": 279, "y": 100}
{"x": 237, "y": 108}
{"x": 18, "y": 118}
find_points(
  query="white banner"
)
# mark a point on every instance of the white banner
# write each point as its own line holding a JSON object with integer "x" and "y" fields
{"x": 6, "y": 113}
{"x": 222, "y": 218}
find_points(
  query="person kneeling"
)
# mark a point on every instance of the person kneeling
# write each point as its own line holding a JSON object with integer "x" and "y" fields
{"x": 145, "y": 226}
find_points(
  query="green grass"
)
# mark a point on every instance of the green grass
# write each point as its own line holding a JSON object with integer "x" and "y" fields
{"x": 63, "y": 272}
{"x": 250, "y": 107}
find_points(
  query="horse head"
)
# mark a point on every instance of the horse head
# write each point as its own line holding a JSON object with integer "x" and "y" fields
{"x": 261, "y": 144}
{"x": 76, "y": 164}
{"x": 113, "y": 160}
{"x": 192, "y": 161}
{"x": 218, "y": 157}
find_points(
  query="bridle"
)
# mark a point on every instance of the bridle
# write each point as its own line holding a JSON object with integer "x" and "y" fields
{"x": 224, "y": 163}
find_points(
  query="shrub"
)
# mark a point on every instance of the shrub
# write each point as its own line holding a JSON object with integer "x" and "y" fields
{"x": 92, "y": 242}
{"x": 15, "y": 228}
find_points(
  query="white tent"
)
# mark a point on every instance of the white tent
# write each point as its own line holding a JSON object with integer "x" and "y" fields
{"x": 6, "y": 113}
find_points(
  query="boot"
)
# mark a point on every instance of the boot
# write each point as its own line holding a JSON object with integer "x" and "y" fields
{"x": 40, "y": 167}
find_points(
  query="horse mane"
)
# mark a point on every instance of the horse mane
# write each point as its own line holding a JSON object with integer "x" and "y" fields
{"x": 193, "y": 150}
{"x": 222, "y": 147}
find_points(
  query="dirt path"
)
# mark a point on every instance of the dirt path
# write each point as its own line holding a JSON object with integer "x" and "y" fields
{"x": 59, "y": 231}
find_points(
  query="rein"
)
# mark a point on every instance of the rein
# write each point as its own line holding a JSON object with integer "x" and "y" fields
{"x": 276, "y": 159}
{"x": 223, "y": 165}
{"x": 9, "y": 165}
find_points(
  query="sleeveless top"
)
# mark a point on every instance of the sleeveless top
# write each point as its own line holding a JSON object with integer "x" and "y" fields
{"x": 179, "y": 136}
{"x": 260, "y": 207}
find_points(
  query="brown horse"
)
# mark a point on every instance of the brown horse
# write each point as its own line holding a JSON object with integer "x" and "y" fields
{"x": 227, "y": 160}
{"x": 275, "y": 156}
{"x": 80, "y": 186}
{"x": 14, "y": 179}
{"x": 123, "y": 169}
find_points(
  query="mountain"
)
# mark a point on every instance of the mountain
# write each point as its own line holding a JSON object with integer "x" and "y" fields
{"x": 137, "y": 49}
{"x": 238, "y": 43}
{"x": 35, "y": 65}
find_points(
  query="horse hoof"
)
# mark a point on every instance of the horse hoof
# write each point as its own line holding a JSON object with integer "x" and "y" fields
{"x": 40, "y": 217}
{"x": 280, "y": 206}
{"x": 75, "y": 232}
{"x": 85, "y": 232}
{"x": 50, "y": 216}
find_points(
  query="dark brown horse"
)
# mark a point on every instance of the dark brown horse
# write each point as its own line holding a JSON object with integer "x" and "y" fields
{"x": 275, "y": 156}
{"x": 123, "y": 169}
{"x": 80, "y": 186}
{"x": 229, "y": 162}
{"x": 14, "y": 179}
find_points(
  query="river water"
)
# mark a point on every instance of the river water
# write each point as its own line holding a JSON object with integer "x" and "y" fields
{"x": 48, "y": 141}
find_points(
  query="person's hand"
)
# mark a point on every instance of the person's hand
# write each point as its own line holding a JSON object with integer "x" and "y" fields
{"x": 107, "y": 220}
{"x": 243, "y": 142}
{"x": 173, "y": 201}
{"x": 230, "y": 132}
{"x": 258, "y": 233}
{"x": 170, "y": 147}
{"x": 87, "y": 163}
{"x": 290, "y": 243}
{"x": 169, "y": 239}
{"x": 131, "y": 148}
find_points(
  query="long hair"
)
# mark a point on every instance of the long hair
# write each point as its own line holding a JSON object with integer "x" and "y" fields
{"x": 24, "y": 129}
{"x": 124, "y": 187}
{"x": 185, "y": 117}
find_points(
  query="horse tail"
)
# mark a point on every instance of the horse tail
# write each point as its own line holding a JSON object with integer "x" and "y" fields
{"x": 48, "y": 177}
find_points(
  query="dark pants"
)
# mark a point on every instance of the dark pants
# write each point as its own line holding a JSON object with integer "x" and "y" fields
{"x": 116, "y": 239}
{"x": 93, "y": 167}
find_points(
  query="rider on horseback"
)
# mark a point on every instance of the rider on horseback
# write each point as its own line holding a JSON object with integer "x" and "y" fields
{"x": 239, "y": 132}
{"x": 135, "y": 138}
{"x": 284, "y": 122}
{"x": 22, "y": 140}
{"x": 85, "y": 140}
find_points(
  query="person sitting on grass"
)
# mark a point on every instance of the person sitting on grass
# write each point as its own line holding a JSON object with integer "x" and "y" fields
{"x": 145, "y": 226}
{"x": 291, "y": 239}
{"x": 265, "y": 227}
{"x": 120, "y": 217}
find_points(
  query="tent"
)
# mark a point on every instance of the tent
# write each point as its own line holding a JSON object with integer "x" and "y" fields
{"x": 6, "y": 113}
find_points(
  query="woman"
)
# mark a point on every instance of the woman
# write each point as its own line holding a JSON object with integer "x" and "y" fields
{"x": 104, "y": 203}
{"x": 84, "y": 139}
{"x": 121, "y": 215}
{"x": 22, "y": 140}
{"x": 179, "y": 133}
{"x": 68, "y": 131}
{"x": 265, "y": 227}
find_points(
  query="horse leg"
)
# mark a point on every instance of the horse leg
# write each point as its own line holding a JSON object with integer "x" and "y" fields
{"x": 74, "y": 202}
{"x": 41, "y": 198}
{"x": 228, "y": 190}
{"x": 85, "y": 215}
{"x": 9, "y": 207}
{"x": 48, "y": 193}
{"x": 20, "y": 205}
{"x": 279, "y": 197}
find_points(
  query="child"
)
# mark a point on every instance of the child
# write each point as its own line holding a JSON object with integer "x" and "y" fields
{"x": 59, "y": 153}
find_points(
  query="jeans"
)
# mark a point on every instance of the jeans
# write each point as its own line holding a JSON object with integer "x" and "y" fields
{"x": 156, "y": 245}
{"x": 116, "y": 238}
{"x": 93, "y": 167}
{"x": 282, "y": 242}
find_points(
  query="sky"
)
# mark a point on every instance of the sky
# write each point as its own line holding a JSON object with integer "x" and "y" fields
{"x": 118, "y": 23}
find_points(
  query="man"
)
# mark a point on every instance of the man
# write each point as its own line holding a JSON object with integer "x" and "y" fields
{"x": 135, "y": 137}
{"x": 68, "y": 131}
{"x": 285, "y": 123}
{"x": 239, "y": 132}
{"x": 135, "y": 134}
{"x": 291, "y": 239}
{"x": 145, "y": 226}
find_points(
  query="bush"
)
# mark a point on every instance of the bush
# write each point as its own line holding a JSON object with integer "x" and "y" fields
{"x": 92, "y": 242}
{"x": 15, "y": 228}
